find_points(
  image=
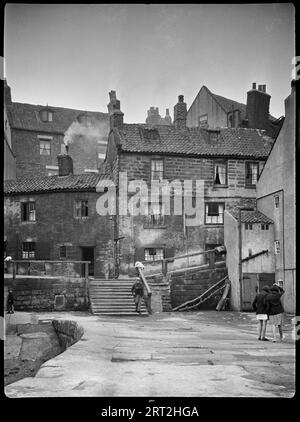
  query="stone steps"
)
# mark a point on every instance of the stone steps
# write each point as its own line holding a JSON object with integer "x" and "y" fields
{"x": 113, "y": 297}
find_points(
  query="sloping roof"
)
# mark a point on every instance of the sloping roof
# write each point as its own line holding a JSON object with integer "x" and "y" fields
{"x": 78, "y": 182}
{"x": 228, "y": 104}
{"x": 26, "y": 116}
{"x": 252, "y": 217}
{"x": 238, "y": 142}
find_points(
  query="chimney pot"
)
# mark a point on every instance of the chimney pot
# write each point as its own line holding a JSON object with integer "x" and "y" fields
{"x": 180, "y": 113}
{"x": 253, "y": 85}
{"x": 180, "y": 98}
{"x": 264, "y": 88}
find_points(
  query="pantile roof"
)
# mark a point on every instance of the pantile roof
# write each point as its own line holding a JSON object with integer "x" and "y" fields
{"x": 26, "y": 116}
{"x": 252, "y": 217}
{"x": 237, "y": 142}
{"x": 72, "y": 182}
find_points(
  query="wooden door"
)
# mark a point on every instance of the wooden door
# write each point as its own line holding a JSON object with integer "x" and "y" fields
{"x": 249, "y": 290}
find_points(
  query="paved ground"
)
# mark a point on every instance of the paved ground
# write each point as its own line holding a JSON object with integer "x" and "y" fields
{"x": 195, "y": 354}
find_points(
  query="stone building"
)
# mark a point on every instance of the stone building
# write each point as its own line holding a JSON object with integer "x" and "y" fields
{"x": 38, "y": 133}
{"x": 276, "y": 198}
{"x": 154, "y": 118}
{"x": 227, "y": 160}
{"x": 212, "y": 110}
{"x": 9, "y": 156}
{"x": 249, "y": 259}
{"x": 55, "y": 218}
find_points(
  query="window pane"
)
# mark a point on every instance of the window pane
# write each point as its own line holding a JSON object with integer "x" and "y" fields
{"x": 157, "y": 169}
{"x": 45, "y": 147}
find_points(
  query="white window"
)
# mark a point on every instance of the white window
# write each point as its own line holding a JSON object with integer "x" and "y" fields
{"x": 276, "y": 201}
{"x": 28, "y": 211}
{"x": 28, "y": 250}
{"x": 154, "y": 254}
{"x": 251, "y": 174}
{"x": 214, "y": 213}
{"x": 46, "y": 115}
{"x": 220, "y": 172}
{"x": 248, "y": 226}
{"x": 81, "y": 209}
{"x": 45, "y": 147}
{"x": 157, "y": 169}
{"x": 277, "y": 247}
{"x": 264, "y": 226}
{"x": 203, "y": 120}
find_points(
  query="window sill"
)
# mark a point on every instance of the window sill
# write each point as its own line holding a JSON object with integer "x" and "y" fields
{"x": 220, "y": 186}
{"x": 214, "y": 224}
{"x": 81, "y": 218}
{"x": 28, "y": 222}
{"x": 164, "y": 226}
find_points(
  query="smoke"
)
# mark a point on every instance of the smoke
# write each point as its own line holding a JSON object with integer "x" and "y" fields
{"x": 90, "y": 129}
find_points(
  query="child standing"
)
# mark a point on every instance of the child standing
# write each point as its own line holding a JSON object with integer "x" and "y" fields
{"x": 260, "y": 306}
{"x": 275, "y": 310}
{"x": 10, "y": 302}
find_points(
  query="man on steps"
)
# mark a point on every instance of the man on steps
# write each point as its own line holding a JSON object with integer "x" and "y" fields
{"x": 137, "y": 291}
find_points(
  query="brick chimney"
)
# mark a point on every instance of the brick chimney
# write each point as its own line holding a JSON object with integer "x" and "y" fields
{"x": 65, "y": 162}
{"x": 257, "y": 111}
{"x": 168, "y": 118}
{"x": 180, "y": 113}
{"x": 116, "y": 117}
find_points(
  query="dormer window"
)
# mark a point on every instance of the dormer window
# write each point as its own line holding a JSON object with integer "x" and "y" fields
{"x": 46, "y": 115}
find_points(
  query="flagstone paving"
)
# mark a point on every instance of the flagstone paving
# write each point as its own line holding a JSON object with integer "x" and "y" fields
{"x": 191, "y": 354}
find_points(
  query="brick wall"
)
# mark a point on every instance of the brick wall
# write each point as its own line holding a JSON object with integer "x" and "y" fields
{"x": 56, "y": 225}
{"x": 173, "y": 237}
{"x": 38, "y": 294}
{"x": 192, "y": 283}
{"x": 29, "y": 161}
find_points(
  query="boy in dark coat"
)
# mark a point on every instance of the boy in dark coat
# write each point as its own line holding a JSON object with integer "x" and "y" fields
{"x": 260, "y": 306}
{"x": 10, "y": 302}
{"x": 275, "y": 310}
{"x": 137, "y": 291}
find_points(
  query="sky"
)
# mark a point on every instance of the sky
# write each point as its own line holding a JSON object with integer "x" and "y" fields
{"x": 72, "y": 55}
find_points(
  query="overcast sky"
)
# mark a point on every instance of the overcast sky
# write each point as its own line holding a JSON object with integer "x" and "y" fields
{"x": 73, "y": 55}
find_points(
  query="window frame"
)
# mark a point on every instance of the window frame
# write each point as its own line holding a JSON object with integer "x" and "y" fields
{"x": 156, "y": 248}
{"x": 276, "y": 202}
{"x": 62, "y": 256}
{"x": 248, "y": 226}
{"x": 264, "y": 226}
{"x": 221, "y": 161}
{"x": 31, "y": 250}
{"x": 248, "y": 163}
{"x": 206, "y": 214}
{"x": 27, "y": 205}
{"x": 149, "y": 223}
{"x": 201, "y": 124}
{"x": 277, "y": 247}
{"x": 46, "y": 112}
{"x": 163, "y": 168}
{"x": 81, "y": 207}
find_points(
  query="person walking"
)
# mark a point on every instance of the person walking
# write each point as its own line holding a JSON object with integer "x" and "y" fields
{"x": 260, "y": 306}
{"x": 275, "y": 310}
{"x": 137, "y": 291}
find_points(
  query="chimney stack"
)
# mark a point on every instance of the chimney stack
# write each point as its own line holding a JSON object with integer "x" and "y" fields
{"x": 180, "y": 113}
{"x": 65, "y": 162}
{"x": 116, "y": 117}
{"x": 7, "y": 94}
{"x": 257, "y": 111}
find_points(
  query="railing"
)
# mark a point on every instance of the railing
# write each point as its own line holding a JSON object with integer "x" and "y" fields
{"x": 164, "y": 263}
{"x": 194, "y": 303}
{"x": 27, "y": 262}
{"x": 147, "y": 288}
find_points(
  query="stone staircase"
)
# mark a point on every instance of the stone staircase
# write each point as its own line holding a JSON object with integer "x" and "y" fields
{"x": 113, "y": 297}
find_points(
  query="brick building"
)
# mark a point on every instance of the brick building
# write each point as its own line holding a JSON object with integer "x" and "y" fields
{"x": 38, "y": 133}
{"x": 228, "y": 160}
{"x": 212, "y": 110}
{"x": 55, "y": 218}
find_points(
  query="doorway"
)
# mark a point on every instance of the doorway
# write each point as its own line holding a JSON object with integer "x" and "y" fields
{"x": 87, "y": 254}
{"x": 249, "y": 290}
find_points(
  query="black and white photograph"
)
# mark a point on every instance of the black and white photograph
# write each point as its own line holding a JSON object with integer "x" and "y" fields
{"x": 149, "y": 203}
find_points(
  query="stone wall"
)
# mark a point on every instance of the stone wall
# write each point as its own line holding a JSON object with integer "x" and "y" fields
{"x": 48, "y": 294}
{"x": 55, "y": 226}
{"x": 68, "y": 332}
{"x": 188, "y": 285}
